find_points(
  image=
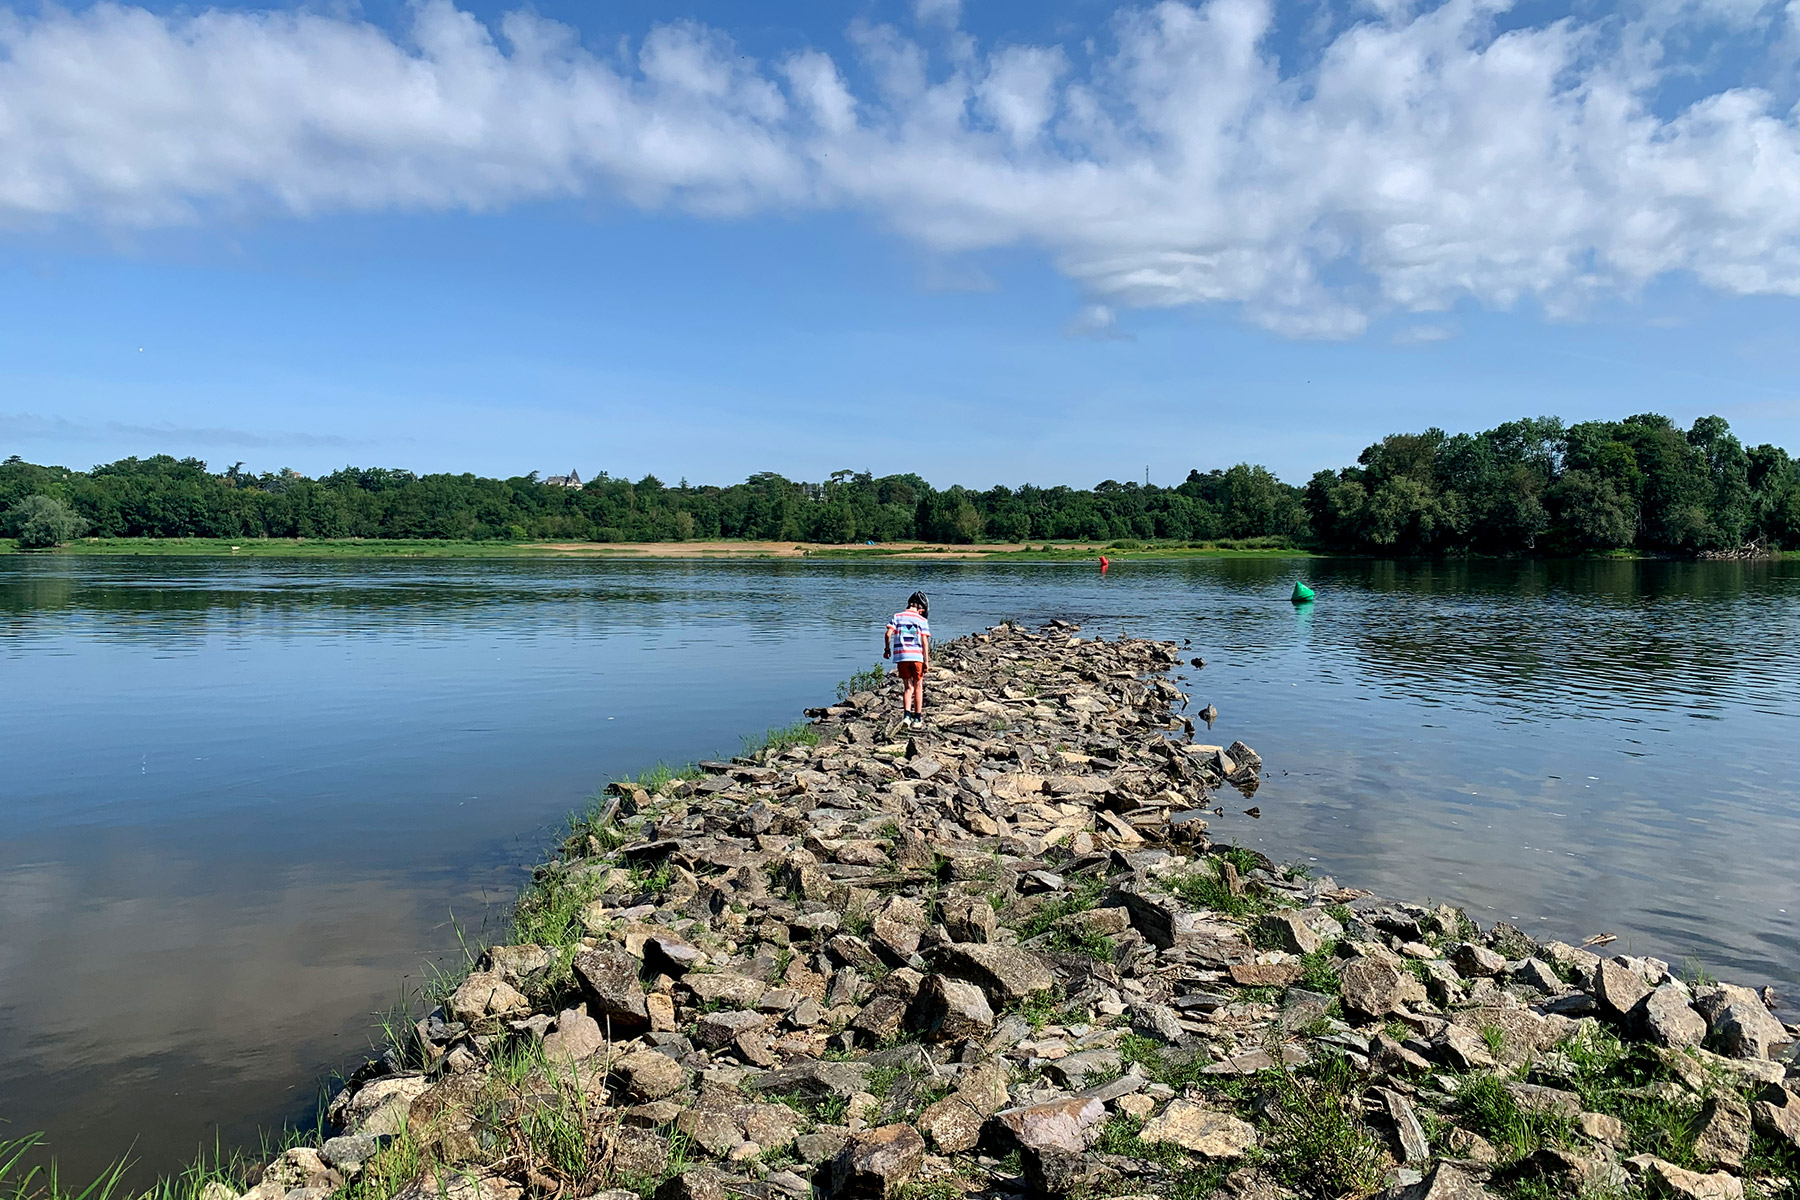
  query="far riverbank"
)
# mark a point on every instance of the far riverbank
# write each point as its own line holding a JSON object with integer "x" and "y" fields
{"x": 703, "y": 550}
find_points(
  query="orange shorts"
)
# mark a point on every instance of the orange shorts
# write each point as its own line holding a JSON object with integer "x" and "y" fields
{"x": 909, "y": 671}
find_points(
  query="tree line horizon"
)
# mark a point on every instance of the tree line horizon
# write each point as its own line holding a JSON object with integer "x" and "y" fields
{"x": 1528, "y": 486}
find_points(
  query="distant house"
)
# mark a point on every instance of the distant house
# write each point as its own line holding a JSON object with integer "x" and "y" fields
{"x": 572, "y": 479}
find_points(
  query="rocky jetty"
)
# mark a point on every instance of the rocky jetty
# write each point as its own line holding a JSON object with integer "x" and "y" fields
{"x": 1002, "y": 957}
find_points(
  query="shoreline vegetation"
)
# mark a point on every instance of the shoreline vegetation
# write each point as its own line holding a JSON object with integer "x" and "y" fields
{"x": 1002, "y": 957}
{"x": 1125, "y": 550}
{"x": 746, "y": 549}
{"x": 1534, "y": 487}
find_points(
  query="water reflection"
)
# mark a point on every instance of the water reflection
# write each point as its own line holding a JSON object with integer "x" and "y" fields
{"x": 243, "y": 798}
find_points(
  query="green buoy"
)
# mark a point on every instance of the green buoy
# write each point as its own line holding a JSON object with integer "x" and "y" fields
{"x": 1302, "y": 594}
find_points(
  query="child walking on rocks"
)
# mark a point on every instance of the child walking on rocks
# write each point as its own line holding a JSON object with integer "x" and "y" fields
{"x": 908, "y": 643}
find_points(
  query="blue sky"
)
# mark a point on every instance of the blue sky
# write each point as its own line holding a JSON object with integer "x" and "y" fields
{"x": 991, "y": 242}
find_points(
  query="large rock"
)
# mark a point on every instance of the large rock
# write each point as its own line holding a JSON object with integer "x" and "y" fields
{"x": 380, "y": 1107}
{"x": 1444, "y": 1183}
{"x": 717, "y": 1029}
{"x": 1007, "y": 974}
{"x": 614, "y": 992}
{"x": 1722, "y": 1131}
{"x": 875, "y": 1164}
{"x": 1663, "y": 1179}
{"x": 984, "y": 1087}
{"x": 649, "y": 1075}
{"x": 1666, "y": 1018}
{"x": 485, "y": 994}
{"x": 897, "y": 928}
{"x": 1207, "y": 1132}
{"x": 576, "y": 1036}
{"x": 1056, "y": 1124}
{"x": 724, "y": 988}
{"x": 969, "y": 919}
{"x": 952, "y": 1124}
{"x": 1410, "y": 1140}
{"x": 1375, "y": 989}
{"x": 695, "y": 1183}
{"x": 1472, "y": 960}
{"x": 1741, "y": 1026}
{"x": 949, "y": 1010}
{"x": 815, "y": 1081}
{"x": 1776, "y": 1114}
{"x": 1618, "y": 988}
{"x": 1288, "y": 931}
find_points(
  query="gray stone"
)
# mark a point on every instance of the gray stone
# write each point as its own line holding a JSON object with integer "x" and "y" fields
{"x": 874, "y": 1164}
{"x": 576, "y": 1036}
{"x": 949, "y": 1010}
{"x": 1776, "y": 1113}
{"x": 1473, "y": 960}
{"x": 724, "y": 988}
{"x": 771, "y": 1126}
{"x": 1375, "y": 989}
{"x": 1538, "y": 975}
{"x": 1445, "y": 1182}
{"x": 952, "y": 1124}
{"x": 636, "y": 1152}
{"x": 1061, "y": 1124}
{"x": 1409, "y": 1135}
{"x": 1289, "y": 932}
{"x": 380, "y": 1107}
{"x": 1666, "y": 1018}
{"x": 1205, "y": 1131}
{"x": 1666, "y": 1179}
{"x": 1741, "y": 1025}
{"x": 1156, "y": 1020}
{"x": 485, "y": 994}
{"x": 695, "y": 1183}
{"x": 1461, "y": 1049}
{"x": 1006, "y": 973}
{"x": 969, "y": 919}
{"x": 716, "y": 1029}
{"x": 1545, "y": 1101}
{"x": 1618, "y": 988}
{"x": 349, "y": 1151}
{"x": 1073, "y": 1070}
{"x": 615, "y": 995}
{"x": 816, "y": 1081}
{"x": 1603, "y": 1128}
{"x": 821, "y": 1144}
{"x": 650, "y": 1075}
{"x": 1722, "y": 1131}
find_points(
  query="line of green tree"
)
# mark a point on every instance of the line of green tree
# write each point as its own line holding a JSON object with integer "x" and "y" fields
{"x": 1531, "y": 486}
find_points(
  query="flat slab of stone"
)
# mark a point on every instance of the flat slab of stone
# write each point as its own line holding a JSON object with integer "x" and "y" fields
{"x": 1207, "y": 1132}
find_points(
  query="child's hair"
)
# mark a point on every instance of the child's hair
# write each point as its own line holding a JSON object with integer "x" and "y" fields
{"x": 917, "y": 600}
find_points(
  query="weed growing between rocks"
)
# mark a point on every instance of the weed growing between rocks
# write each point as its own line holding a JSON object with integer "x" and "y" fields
{"x": 870, "y": 680}
{"x": 1318, "y": 1142}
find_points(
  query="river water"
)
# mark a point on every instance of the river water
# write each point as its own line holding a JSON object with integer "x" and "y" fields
{"x": 245, "y": 804}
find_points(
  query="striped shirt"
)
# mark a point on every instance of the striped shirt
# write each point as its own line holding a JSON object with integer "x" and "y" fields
{"x": 907, "y": 633}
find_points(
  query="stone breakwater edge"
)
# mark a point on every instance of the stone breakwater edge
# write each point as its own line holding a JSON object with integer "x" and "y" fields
{"x": 1002, "y": 957}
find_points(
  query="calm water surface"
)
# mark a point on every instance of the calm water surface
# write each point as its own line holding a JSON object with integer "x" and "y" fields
{"x": 244, "y": 803}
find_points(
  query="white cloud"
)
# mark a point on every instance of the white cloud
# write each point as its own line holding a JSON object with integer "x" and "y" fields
{"x": 1423, "y": 335}
{"x": 1423, "y": 159}
{"x": 1099, "y": 322}
{"x": 949, "y": 12}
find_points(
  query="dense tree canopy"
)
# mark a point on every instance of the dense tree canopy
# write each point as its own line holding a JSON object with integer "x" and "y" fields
{"x": 1536, "y": 486}
{"x": 1530, "y": 486}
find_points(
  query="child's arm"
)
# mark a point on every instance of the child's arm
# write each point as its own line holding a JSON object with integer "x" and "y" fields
{"x": 887, "y": 643}
{"x": 925, "y": 666}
